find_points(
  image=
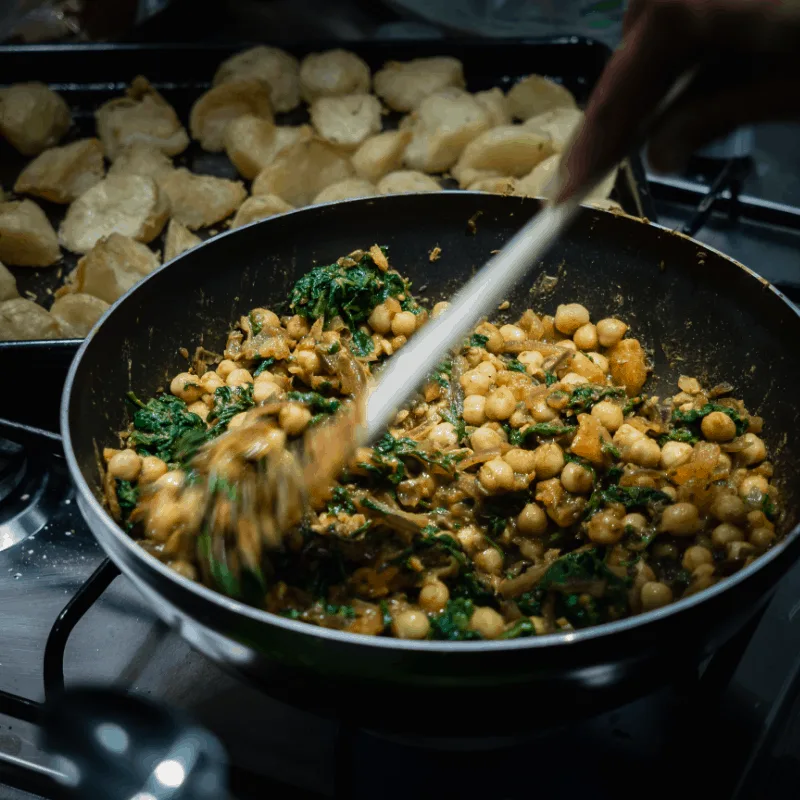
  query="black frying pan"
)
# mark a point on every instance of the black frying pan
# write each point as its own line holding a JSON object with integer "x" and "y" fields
{"x": 699, "y": 312}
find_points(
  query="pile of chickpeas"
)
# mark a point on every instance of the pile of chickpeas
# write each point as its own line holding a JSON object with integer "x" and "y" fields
{"x": 720, "y": 511}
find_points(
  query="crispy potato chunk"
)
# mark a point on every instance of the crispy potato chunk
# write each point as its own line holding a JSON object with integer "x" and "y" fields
{"x": 302, "y": 171}
{"x": 407, "y": 181}
{"x": 220, "y": 105}
{"x": 141, "y": 159}
{"x": 589, "y": 439}
{"x": 259, "y": 207}
{"x": 198, "y": 201}
{"x": 348, "y": 120}
{"x": 380, "y": 154}
{"x": 444, "y": 124}
{"x": 178, "y": 239}
{"x": 8, "y": 284}
{"x": 502, "y": 185}
{"x": 32, "y": 117}
{"x": 128, "y": 204}
{"x": 277, "y": 68}
{"x": 403, "y": 85}
{"x": 496, "y": 106}
{"x": 22, "y": 319}
{"x": 627, "y": 364}
{"x": 110, "y": 268}
{"x": 333, "y": 73}
{"x": 352, "y": 187}
{"x": 559, "y": 125}
{"x": 78, "y": 312}
{"x": 535, "y": 183}
{"x": 27, "y": 238}
{"x": 253, "y": 143}
{"x": 535, "y": 95}
{"x": 143, "y": 115}
{"x": 61, "y": 174}
{"x": 506, "y": 150}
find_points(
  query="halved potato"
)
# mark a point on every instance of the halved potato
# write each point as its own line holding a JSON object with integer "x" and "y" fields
{"x": 501, "y": 185}
{"x": 403, "y": 85}
{"x": 332, "y": 73}
{"x": 253, "y": 143}
{"x": 259, "y": 207}
{"x": 559, "y": 124}
{"x": 277, "y": 68}
{"x": 407, "y": 181}
{"x": 32, "y": 117}
{"x": 22, "y": 319}
{"x": 302, "y": 171}
{"x": 537, "y": 181}
{"x": 381, "y": 154}
{"x": 178, "y": 239}
{"x": 344, "y": 190}
{"x": 60, "y": 174}
{"x": 347, "y": 120}
{"x": 198, "y": 201}
{"x": 443, "y": 125}
{"x": 131, "y": 205}
{"x": 110, "y": 268}
{"x": 143, "y": 115}
{"x": 222, "y": 104}
{"x": 535, "y": 95}
{"x": 78, "y": 312}
{"x": 141, "y": 159}
{"x": 8, "y": 284}
{"x": 27, "y": 238}
{"x": 496, "y": 106}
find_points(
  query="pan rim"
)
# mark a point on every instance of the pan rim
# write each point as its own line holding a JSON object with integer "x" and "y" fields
{"x": 109, "y": 529}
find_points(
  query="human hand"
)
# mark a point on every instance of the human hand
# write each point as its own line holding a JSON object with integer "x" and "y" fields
{"x": 748, "y": 55}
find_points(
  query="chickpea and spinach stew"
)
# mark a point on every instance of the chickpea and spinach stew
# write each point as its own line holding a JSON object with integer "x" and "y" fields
{"x": 533, "y": 487}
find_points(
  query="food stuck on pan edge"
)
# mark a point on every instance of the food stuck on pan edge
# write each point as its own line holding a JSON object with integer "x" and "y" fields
{"x": 533, "y": 487}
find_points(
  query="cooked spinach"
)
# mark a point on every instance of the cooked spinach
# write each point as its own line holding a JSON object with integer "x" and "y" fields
{"x": 127, "y": 497}
{"x": 678, "y": 435}
{"x": 550, "y": 378}
{"x": 443, "y": 374}
{"x": 582, "y": 398}
{"x": 610, "y": 450}
{"x": 545, "y": 429}
{"x": 315, "y": 401}
{"x": 767, "y": 506}
{"x": 263, "y": 366}
{"x": 452, "y": 624}
{"x": 223, "y": 578}
{"x": 361, "y": 344}
{"x": 160, "y": 423}
{"x": 478, "y": 340}
{"x": 388, "y": 455}
{"x": 341, "y": 502}
{"x": 335, "y": 610}
{"x": 521, "y": 628}
{"x": 386, "y": 614}
{"x": 255, "y": 325}
{"x": 632, "y": 405}
{"x": 453, "y": 416}
{"x": 516, "y": 366}
{"x": 633, "y": 496}
{"x": 697, "y": 414}
{"x": 228, "y": 402}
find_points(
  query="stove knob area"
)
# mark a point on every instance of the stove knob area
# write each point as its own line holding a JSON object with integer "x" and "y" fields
{"x": 118, "y": 746}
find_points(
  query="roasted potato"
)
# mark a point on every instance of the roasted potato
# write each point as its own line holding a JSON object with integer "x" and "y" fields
{"x": 198, "y": 201}
{"x": 32, "y": 117}
{"x": 259, "y": 207}
{"x": 536, "y": 95}
{"x": 380, "y": 154}
{"x": 346, "y": 121}
{"x": 27, "y": 238}
{"x": 8, "y": 284}
{"x": 22, "y": 319}
{"x": 352, "y": 187}
{"x": 78, "y": 312}
{"x": 178, "y": 239}
{"x": 403, "y": 85}
{"x": 333, "y": 73}
{"x": 407, "y": 181}
{"x": 253, "y": 143}
{"x": 141, "y": 159}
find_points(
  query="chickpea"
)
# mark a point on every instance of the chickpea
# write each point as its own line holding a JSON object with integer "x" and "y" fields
{"x": 512, "y": 333}
{"x": 655, "y": 594}
{"x": 626, "y": 435}
{"x": 308, "y": 360}
{"x": 489, "y": 561}
{"x": 728, "y": 508}
{"x": 225, "y": 367}
{"x": 598, "y": 360}
{"x": 671, "y": 492}
{"x": 411, "y": 624}
{"x": 211, "y": 382}
{"x": 404, "y": 323}
{"x": 494, "y": 339}
{"x": 586, "y": 337}
{"x": 673, "y": 454}
{"x": 484, "y": 439}
{"x": 294, "y": 418}
{"x": 184, "y": 569}
{"x": 610, "y": 331}
{"x": 443, "y": 436}
{"x": 605, "y": 527}
{"x": 532, "y": 521}
{"x": 645, "y": 452}
{"x": 239, "y": 377}
{"x": 487, "y": 622}
{"x": 522, "y": 461}
{"x": 165, "y": 515}
{"x": 380, "y": 320}
{"x": 152, "y": 469}
{"x": 496, "y": 476}
{"x": 264, "y": 391}
{"x": 568, "y": 344}
{"x": 609, "y": 415}
{"x": 570, "y": 317}
{"x": 665, "y": 550}
{"x": 487, "y": 368}
{"x": 752, "y": 487}
{"x": 718, "y": 427}
{"x": 740, "y": 550}
{"x": 532, "y": 359}
{"x": 754, "y": 451}
{"x": 397, "y": 342}
{"x": 470, "y": 538}
{"x": 576, "y": 478}
{"x": 475, "y": 382}
{"x": 540, "y": 411}
{"x": 433, "y": 596}
{"x": 186, "y": 386}
{"x": 125, "y": 465}
{"x": 500, "y": 404}
{"x": 724, "y": 463}
{"x": 171, "y": 482}
{"x": 440, "y": 308}
{"x": 636, "y": 521}
{"x": 572, "y": 379}
{"x": 696, "y": 555}
{"x": 762, "y": 537}
{"x": 199, "y": 408}
{"x": 296, "y": 327}
{"x": 519, "y": 418}
{"x": 474, "y": 409}
{"x": 680, "y": 519}
{"x": 726, "y": 533}
{"x": 549, "y": 460}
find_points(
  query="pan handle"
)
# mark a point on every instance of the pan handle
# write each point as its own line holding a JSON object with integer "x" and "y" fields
{"x": 31, "y": 437}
